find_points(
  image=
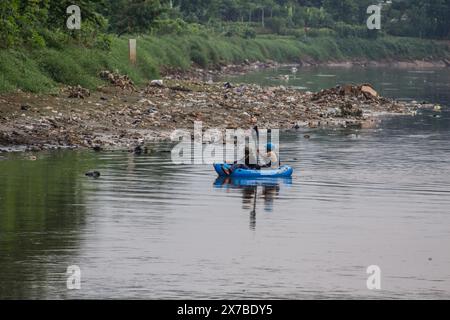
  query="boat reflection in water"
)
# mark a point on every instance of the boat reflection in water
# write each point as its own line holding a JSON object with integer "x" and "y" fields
{"x": 266, "y": 188}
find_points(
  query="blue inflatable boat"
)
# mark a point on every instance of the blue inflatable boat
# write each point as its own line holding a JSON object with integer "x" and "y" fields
{"x": 281, "y": 172}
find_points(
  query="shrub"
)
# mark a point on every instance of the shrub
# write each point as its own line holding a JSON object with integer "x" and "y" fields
{"x": 322, "y": 32}
{"x": 276, "y": 25}
{"x": 36, "y": 40}
{"x": 198, "y": 57}
{"x": 350, "y": 31}
{"x": 249, "y": 33}
{"x": 9, "y": 34}
{"x": 55, "y": 39}
{"x": 60, "y": 67}
{"x": 170, "y": 26}
{"x": 103, "y": 42}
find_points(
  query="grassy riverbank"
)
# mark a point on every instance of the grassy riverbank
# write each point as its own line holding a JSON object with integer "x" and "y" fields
{"x": 43, "y": 70}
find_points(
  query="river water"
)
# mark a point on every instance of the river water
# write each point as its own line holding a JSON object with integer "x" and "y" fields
{"x": 149, "y": 229}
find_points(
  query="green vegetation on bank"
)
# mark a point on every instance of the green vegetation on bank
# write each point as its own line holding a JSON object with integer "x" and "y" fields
{"x": 38, "y": 52}
{"x": 41, "y": 70}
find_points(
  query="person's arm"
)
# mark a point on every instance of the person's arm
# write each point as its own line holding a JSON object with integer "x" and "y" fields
{"x": 266, "y": 162}
{"x": 274, "y": 158}
{"x": 270, "y": 160}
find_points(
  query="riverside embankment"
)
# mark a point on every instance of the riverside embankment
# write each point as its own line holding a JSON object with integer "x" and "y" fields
{"x": 44, "y": 70}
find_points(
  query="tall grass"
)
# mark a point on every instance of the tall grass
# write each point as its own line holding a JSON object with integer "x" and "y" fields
{"x": 44, "y": 69}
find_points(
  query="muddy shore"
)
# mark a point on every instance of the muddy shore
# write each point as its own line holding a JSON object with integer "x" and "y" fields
{"x": 119, "y": 115}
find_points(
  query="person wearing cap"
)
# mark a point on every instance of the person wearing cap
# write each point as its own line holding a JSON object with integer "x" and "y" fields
{"x": 270, "y": 159}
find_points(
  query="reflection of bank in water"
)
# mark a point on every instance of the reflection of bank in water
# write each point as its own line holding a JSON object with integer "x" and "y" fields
{"x": 266, "y": 188}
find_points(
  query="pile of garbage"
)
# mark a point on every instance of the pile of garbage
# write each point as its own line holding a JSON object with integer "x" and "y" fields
{"x": 78, "y": 92}
{"x": 122, "y": 118}
{"x": 363, "y": 91}
{"x": 349, "y": 110}
{"x": 153, "y": 86}
{"x": 178, "y": 103}
{"x": 122, "y": 81}
{"x": 216, "y": 70}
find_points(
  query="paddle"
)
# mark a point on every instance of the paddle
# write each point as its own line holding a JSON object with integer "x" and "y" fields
{"x": 257, "y": 144}
{"x": 253, "y": 213}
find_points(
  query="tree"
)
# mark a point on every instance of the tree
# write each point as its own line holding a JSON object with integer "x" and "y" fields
{"x": 131, "y": 16}
{"x": 90, "y": 12}
{"x": 342, "y": 10}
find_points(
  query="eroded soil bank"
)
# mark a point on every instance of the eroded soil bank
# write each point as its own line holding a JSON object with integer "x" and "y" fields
{"x": 122, "y": 116}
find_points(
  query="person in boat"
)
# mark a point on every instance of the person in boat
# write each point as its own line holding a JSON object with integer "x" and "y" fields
{"x": 245, "y": 163}
{"x": 270, "y": 159}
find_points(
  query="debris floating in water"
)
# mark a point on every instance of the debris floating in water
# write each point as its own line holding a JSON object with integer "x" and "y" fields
{"x": 93, "y": 174}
